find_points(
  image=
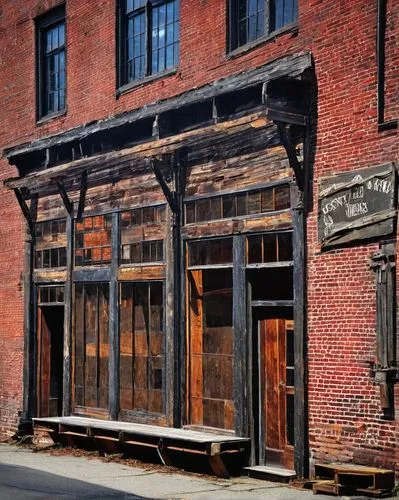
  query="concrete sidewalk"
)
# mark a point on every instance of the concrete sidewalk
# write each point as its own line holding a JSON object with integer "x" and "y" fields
{"x": 25, "y": 475}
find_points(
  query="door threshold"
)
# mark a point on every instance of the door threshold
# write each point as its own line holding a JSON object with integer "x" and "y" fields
{"x": 270, "y": 473}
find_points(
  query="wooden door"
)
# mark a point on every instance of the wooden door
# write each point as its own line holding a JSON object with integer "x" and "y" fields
{"x": 210, "y": 374}
{"x": 276, "y": 391}
{"x": 50, "y": 342}
{"x": 91, "y": 349}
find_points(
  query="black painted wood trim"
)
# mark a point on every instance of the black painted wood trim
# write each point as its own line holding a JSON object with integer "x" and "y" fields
{"x": 92, "y": 275}
{"x": 114, "y": 322}
{"x": 240, "y": 334}
{"x": 68, "y": 315}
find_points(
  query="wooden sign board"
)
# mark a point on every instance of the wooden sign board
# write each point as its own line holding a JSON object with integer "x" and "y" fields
{"x": 356, "y": 205}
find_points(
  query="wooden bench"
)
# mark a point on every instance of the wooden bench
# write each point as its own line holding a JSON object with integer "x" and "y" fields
{"x": 121, "y": 435}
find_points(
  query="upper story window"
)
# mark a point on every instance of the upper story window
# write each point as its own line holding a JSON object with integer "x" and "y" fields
{"x": 148, "y": 38}
{"x": 51, "y": 67}
{"x": 253, "y": 19}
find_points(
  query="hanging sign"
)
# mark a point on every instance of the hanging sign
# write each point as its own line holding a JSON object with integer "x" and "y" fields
{"x": 356, "y": 205}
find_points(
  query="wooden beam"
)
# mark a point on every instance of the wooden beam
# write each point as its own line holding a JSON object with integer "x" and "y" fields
{"x": 240, "y": 333}
{"x": 300, "y": 357}
{"x": 92, "y": 275}
{"x": 225, "y": 140}
{"x": 221, "y": 141}
{"x": 170, "y": 197}
{"x": 29, "y": 372}
{"x": 114, "y": 322}
{"x": 65, "y": 198}
{"x": 169, "y": 321}
{"x": 291, "y": 65}
{"x": 178, "y": 270}
{"x": 82, "y": 194}
{"x": 68, "y": 315}
{"x": 291, "y": 153}
{"x": 25, "y": 210}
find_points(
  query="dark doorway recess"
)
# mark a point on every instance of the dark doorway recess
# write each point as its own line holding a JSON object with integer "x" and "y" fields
{"x": 50, "y": 351}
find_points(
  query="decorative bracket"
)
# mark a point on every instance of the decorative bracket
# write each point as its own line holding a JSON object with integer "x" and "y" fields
{"x": 82, "y": 194}
{"x": 25, "y": 210}
{"x": 169, "y": 195}
{"x": 295, "y": 164}
{"x": 65, "y": 198}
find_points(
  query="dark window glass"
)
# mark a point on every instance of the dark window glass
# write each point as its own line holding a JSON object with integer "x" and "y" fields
{"x": 149, "y": 38}
{"x": 269, "y": 248}
{"x": 252, "y": 19}
{"x": 211, "y": 252}
{"x": 228, "y": 206}
{"x": 190, "y": 212}
{"x": 51, "y": 295}
{"x": 52, "y": 62}
{"x": 252, "y": 202}
{"x": 290, "y": 418}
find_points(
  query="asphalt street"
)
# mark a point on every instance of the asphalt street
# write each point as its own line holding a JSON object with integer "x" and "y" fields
{"x": 26, "y": 475}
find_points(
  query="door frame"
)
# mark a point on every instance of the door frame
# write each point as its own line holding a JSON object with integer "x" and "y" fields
{"x": 37, "y": 348}
{"x": 257, "y": 397}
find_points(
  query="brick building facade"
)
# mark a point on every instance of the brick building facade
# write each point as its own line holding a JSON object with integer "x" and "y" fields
{"x": 324, "y": 79}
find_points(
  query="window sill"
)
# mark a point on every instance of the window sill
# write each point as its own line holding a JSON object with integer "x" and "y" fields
{"x": 288, "y": 28}
{"x": 389, "y": 125}
{"x": 50, "y": 117}
{"x": 124, "y": 89}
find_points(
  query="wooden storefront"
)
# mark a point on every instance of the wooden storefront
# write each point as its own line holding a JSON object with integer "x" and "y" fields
{"x": 167, "y": 268}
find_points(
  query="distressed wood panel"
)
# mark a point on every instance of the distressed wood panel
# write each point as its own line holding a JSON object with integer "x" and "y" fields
{"x": 272, "y": 222}
{"x": 50, "y": 276}
{"x": 141, "y": 273}
{"x": 268, "y": 165}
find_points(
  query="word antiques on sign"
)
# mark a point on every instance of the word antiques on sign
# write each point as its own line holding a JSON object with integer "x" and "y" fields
{"x": 356, "y": 205}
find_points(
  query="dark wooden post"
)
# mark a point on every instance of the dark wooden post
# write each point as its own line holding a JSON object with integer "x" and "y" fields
{"x": 178, "y": 280}
{"x": 169, "y": 320}
{"x": 29, "y": 381}
{"x": 68, "y": 314}
{"x": 299, "y": 277}
{"x": 240, "y": 334}
{"x": 29, "y": 399}
{"x": 175, "y": 283}
{"x": 114, "y": 322}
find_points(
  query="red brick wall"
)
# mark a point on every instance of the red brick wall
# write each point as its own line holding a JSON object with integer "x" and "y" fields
{"x": 11, "y": 308}
{"x": 345, "y": 417}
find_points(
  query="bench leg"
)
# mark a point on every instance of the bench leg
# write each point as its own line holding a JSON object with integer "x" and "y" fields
{"x": 163, "y": 453}
{"x": 218, "y": 467}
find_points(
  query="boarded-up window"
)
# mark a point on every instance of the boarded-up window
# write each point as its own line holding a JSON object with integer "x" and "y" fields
{"x": 247, "y": 203}
{"x": 93, "y": 241}
{"x": 142, "y": 350}
{"x": 50, "y": 244}
{"x": 91, "y": 347}
{"x": 211, "y": 348}
{"x": 142, "y": 235}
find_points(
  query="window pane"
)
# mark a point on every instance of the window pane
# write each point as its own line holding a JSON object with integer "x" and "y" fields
{"x": 53, "y": 69}
{"x": 254, "y": 249}
{"x": 250, "y": 21}
{"x": 165, "y": 36}
{"x": 211, "y": 252}
{"x": 283, "y": 12}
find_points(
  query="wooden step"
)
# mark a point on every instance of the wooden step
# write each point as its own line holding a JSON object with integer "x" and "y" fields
{"x": 268, "y": 473}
